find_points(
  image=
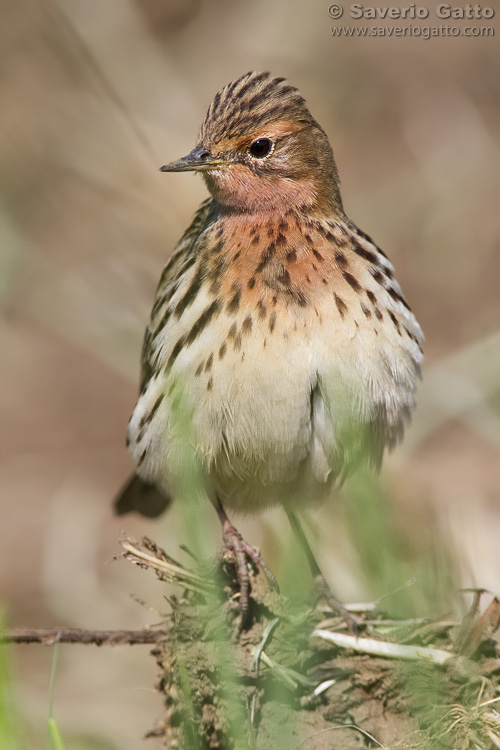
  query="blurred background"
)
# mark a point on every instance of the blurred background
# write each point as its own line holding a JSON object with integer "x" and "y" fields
{"x": 94, "y": 98}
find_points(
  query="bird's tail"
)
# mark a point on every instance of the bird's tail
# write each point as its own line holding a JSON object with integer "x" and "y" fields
{"x": 141, "y": 497}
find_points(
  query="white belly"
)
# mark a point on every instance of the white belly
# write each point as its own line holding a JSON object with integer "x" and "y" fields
{"x": 267, "y": 420}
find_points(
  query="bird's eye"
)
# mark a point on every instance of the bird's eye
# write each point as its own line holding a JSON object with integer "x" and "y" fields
{"x": 260, "y": 148}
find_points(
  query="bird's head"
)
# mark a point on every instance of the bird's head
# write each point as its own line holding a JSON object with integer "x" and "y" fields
{"x": 259, "y": 149}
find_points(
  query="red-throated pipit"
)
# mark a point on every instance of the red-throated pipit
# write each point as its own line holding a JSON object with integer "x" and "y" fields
{"x": 280, "y": 353}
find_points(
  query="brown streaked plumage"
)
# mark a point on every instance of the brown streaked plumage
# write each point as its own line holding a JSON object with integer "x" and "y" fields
{"x": 278, "y": 328}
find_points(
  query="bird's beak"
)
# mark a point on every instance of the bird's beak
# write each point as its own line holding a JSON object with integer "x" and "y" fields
{"x": 199, "y": 160}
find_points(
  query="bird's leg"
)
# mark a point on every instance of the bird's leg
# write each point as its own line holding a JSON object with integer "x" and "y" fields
{"x": 234, "y": 542}
{"x": 322, "y": 588}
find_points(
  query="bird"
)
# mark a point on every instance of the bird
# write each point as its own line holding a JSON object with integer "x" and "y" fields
{"x": 280, "y": 354}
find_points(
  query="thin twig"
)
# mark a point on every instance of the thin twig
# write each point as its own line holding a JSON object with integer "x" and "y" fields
{"x": 341, "y": 726}
{"x": 49, "y": 636}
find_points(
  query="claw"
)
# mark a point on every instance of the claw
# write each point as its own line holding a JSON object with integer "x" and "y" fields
{"x": 242, "y": 551}
{"x": 234, "y": 542}
{"x": 323, "y": 591}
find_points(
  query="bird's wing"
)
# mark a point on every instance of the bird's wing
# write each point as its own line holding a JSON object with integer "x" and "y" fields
{"x": 174, "y": 268}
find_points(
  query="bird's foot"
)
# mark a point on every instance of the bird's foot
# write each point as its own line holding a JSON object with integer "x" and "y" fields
{"x": 321, "y": 588}
{"x": 322, "y": 591}
{"x": 242, "y": 552}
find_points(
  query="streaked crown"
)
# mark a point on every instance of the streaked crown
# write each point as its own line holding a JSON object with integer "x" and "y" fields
{"x": 250, "y": 102}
